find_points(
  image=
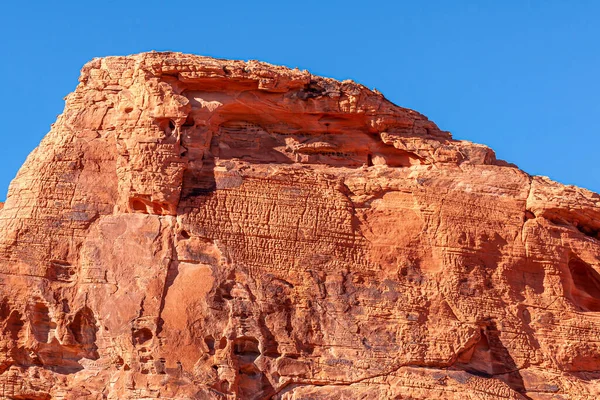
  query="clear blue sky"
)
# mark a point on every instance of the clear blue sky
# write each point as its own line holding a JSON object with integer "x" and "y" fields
{"x": 520, "y": 76}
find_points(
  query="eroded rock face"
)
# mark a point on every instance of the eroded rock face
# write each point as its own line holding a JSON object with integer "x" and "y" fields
{"x": 194, "y": 228}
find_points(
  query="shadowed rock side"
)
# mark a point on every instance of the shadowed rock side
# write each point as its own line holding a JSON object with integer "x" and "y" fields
{"x": 194, "y": 228}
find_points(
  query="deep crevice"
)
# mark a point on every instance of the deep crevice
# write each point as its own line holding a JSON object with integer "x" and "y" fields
{"x": 141, "y": 336}
{"x": 40, "y": 322}
{"x": 84, "y": 329}
{"x": 14, "y": 325}
{"x": 585, "y": 290}
{"x": 251, "y": 381}
{"x": 491, "y": 359}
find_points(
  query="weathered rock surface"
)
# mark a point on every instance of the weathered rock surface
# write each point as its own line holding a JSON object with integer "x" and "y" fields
{"x": 194, "y": 228}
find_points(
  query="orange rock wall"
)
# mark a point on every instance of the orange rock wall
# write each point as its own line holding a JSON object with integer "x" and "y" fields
{"x": 194, "y": 228}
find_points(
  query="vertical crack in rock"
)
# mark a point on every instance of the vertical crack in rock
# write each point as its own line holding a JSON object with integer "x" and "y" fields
{"x": 171, "y": 275}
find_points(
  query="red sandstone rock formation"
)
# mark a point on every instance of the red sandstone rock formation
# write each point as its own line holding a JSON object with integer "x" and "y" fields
{"x": 194, "y": 228}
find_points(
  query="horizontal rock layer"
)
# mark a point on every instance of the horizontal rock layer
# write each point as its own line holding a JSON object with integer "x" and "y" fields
{"x": 194, "y": 228}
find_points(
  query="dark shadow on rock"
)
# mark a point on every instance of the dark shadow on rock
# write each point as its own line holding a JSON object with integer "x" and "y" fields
{"x": 491, "y": 359}
{"x": 172, "y": 272}
{"x": 585, "y": 288}
{"x": 251, "y": 382}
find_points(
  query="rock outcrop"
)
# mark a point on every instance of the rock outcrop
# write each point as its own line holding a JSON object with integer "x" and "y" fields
{"x": 194, "y": 228}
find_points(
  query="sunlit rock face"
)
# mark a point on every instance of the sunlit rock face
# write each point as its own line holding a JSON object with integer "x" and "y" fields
{"x": 194, "y": 228}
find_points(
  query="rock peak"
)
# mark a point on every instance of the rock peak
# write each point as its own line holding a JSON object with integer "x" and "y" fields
{"x": 294, "y": 117}
{"x": 202, "y": 228}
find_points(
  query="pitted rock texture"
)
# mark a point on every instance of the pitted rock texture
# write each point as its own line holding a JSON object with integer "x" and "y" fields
{"x": 194, "y": 228}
